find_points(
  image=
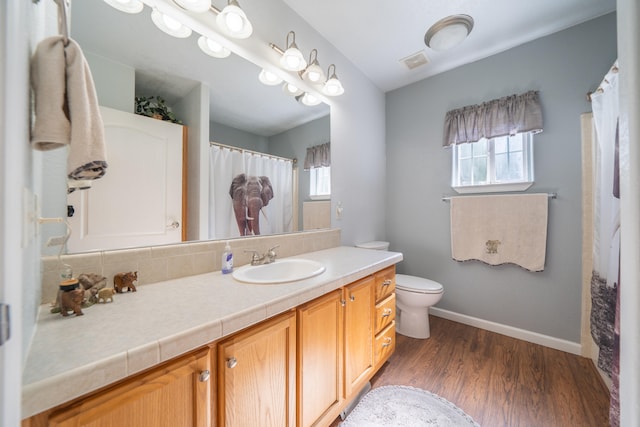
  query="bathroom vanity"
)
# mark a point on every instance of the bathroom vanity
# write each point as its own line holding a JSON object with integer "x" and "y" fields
{"x": 208, "y": 350}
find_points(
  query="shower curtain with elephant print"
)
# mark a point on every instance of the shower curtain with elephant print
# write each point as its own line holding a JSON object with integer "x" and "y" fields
{"x": 249, "y": 193}
{"x": 605, "y": 280}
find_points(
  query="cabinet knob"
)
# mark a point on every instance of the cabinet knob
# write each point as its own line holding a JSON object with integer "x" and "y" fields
{"x": 386, "y": 282}
{"x": 387, "y": 312}
{"x": 232, "y": 362}
{"x": 204, "y": 376}
{"x": 352, "y": 297}
{"x": 343, "y": 302}
{"x": 387, "y": 342}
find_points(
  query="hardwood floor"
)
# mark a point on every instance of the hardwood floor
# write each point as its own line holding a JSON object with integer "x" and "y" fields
{"x": 498, "y": 380}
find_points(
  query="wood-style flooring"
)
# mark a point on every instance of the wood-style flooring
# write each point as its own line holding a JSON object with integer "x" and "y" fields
{"x": 498, "y": 380}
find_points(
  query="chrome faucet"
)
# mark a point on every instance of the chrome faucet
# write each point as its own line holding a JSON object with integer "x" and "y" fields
{"x": 267, "y": 258}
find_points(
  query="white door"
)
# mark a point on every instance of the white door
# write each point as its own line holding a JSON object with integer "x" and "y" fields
{"x": 139, "y": 200}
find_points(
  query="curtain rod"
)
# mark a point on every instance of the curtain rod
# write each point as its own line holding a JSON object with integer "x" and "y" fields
{"x": 448, "y": 198}
{"x": 257, "y": 153}
{"x": 614, "y": 69}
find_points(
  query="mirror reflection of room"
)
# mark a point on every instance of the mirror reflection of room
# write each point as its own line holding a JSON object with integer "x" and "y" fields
{"x": 211, "y": 99}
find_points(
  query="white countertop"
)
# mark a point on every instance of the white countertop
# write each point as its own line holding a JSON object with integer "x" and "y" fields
{"x": 71, "y": 356}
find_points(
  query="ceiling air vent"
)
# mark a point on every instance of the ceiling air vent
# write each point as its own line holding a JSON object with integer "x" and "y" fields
{"x": 415, "y": 60}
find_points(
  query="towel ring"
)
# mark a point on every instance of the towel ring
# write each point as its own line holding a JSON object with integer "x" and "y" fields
{"x": 63, "y": 21}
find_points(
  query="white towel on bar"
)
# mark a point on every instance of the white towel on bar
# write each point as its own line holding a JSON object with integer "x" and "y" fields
{"x": 500, "y": 229}
{"x": 66, "y": 108}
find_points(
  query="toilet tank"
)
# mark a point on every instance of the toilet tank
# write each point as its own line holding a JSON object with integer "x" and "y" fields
{"x": 377, "y": 245}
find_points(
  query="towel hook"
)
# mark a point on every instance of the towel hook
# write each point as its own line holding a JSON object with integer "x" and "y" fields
{"x": 63, "y": 19}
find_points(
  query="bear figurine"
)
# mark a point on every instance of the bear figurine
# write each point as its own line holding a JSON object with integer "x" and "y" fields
{"x": 71, "y": 300}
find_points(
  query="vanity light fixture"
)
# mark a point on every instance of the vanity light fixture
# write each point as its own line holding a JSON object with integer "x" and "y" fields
{"x": 292, "y": 59}
{"x": 233, "y": 21}
{"x": 128, "y": 6}
{"x": 170, "y": 25}
{"x": 313, "y": 72}
{"x": 291, "y": 89}
{"x": 213, "y": 48}
{"x": 308, "y": 99}
{"x": 332, "y": 87}
{"x": 269, "y": 78}
{"x": 448, "y": 32}
{"x": 194, "y": 5}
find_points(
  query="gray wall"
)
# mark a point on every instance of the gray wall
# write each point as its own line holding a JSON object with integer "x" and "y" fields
{"x": 293, "y": 144}
{"x": 227, "y": 135}
{"x": 563, "y": 67}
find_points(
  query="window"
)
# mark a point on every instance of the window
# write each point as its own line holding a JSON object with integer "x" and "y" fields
{"x": 320, "y": 182}
{"x": 498, "y": 164}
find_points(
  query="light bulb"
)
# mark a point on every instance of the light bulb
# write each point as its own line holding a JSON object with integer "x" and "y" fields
{"x": 170, "y": 22}
{"x": 234, "y": 22}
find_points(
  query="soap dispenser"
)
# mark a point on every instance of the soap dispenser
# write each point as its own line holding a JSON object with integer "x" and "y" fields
{"x": 227, "y": 259}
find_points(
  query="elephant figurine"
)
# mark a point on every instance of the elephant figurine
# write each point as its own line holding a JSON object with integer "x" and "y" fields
{"x": 123, "y": 281}
{"x": 249, "y": 195}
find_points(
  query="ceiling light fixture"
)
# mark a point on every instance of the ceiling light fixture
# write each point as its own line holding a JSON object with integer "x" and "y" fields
{"x": 128, "y": 6}
{"x": 269, "y": 78}
{"x": 213, "y": 48}
{"x": 448, "y": 32}
{"x": 332, "y": 87}
{"x": 292, "y": 59}
{"x": 313, "y": 72}
{"x": 170, "y": 25}
{"x": 233, "y": 21}
{"x": 194, "y": 5}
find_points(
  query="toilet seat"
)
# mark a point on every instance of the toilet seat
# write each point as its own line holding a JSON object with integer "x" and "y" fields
{"x": 418, "y": 285}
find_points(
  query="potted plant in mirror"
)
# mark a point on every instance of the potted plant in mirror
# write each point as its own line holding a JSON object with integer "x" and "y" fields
{"x": 155, "y": 107}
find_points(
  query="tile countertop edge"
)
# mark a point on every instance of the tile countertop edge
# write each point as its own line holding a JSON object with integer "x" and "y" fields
{"x": 345, "y": 265}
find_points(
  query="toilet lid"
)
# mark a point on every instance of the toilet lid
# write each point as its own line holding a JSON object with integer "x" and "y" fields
{"x": 417, "y": 284}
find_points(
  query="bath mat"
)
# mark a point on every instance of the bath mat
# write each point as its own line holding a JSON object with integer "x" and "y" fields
{"x": 404, "y": 406}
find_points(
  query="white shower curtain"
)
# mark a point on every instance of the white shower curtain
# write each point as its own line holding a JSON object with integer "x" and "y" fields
{"x": 224, "y": 164}
{"x": 605, "y": 282}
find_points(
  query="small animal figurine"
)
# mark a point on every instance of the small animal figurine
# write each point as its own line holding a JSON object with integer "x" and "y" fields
{"x": 106, "y": 295}
{"x": 71, "y": 300}
{"x": 125, "y": 281}
{"x": 92, "y": 283}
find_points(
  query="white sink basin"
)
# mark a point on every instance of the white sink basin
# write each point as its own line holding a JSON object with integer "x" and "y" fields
{"x": 280, "y": 271}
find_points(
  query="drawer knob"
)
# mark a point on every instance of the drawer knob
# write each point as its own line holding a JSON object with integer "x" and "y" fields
{"x": 352, "y": 297}
{"x": 343, "y": 302}
{"x": 387, "y": 312}
{"x": 204, "y": 376}
{"x": 232, "y": 362}
{"x": 386, "y": 282}
{"x": 387, "y": 342}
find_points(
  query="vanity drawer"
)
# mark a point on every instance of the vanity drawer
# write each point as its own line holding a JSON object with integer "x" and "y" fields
{"x": 385, "y": 282}
{"x": 385, "y": 344}
{"x": 385, "y": 312}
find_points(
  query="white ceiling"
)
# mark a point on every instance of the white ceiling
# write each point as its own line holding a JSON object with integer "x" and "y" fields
{"x": 375, "y": 35}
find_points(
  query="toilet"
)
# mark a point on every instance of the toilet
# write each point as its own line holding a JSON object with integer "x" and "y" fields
{"x": 414, "y": 296}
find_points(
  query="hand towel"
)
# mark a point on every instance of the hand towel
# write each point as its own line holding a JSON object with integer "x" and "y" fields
{"x": 500, "y": 229}
{"x": 66, "y": 107}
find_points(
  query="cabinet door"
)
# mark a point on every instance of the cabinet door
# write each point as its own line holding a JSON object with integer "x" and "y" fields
{"x": 257, "y": 375}
{"x": 320, "y": 360}
{"x": 177, "y": 394}
{"x": 359, "y": 334}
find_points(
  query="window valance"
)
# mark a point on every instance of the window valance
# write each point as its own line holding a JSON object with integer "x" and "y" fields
{"x": 500, "y": 117}
{"x": 318, "y": 156}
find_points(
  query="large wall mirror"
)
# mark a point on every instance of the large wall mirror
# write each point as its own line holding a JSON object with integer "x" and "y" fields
{"x": 129, "y": 56}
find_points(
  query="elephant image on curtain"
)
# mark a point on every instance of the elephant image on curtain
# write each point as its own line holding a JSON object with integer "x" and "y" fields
{"x": 249, "y": 194}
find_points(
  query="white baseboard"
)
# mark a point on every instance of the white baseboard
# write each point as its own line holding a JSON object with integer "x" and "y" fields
{"x": 510, "y": 331}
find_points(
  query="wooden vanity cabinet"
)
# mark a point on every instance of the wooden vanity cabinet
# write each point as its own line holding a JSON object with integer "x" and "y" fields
{"x": 257, "y": 375}
{"x": 320, "y": 359}
{"x": 358, "y": 331}
{"x": 385, "y": 314}
{"x": 175, "y": 394}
